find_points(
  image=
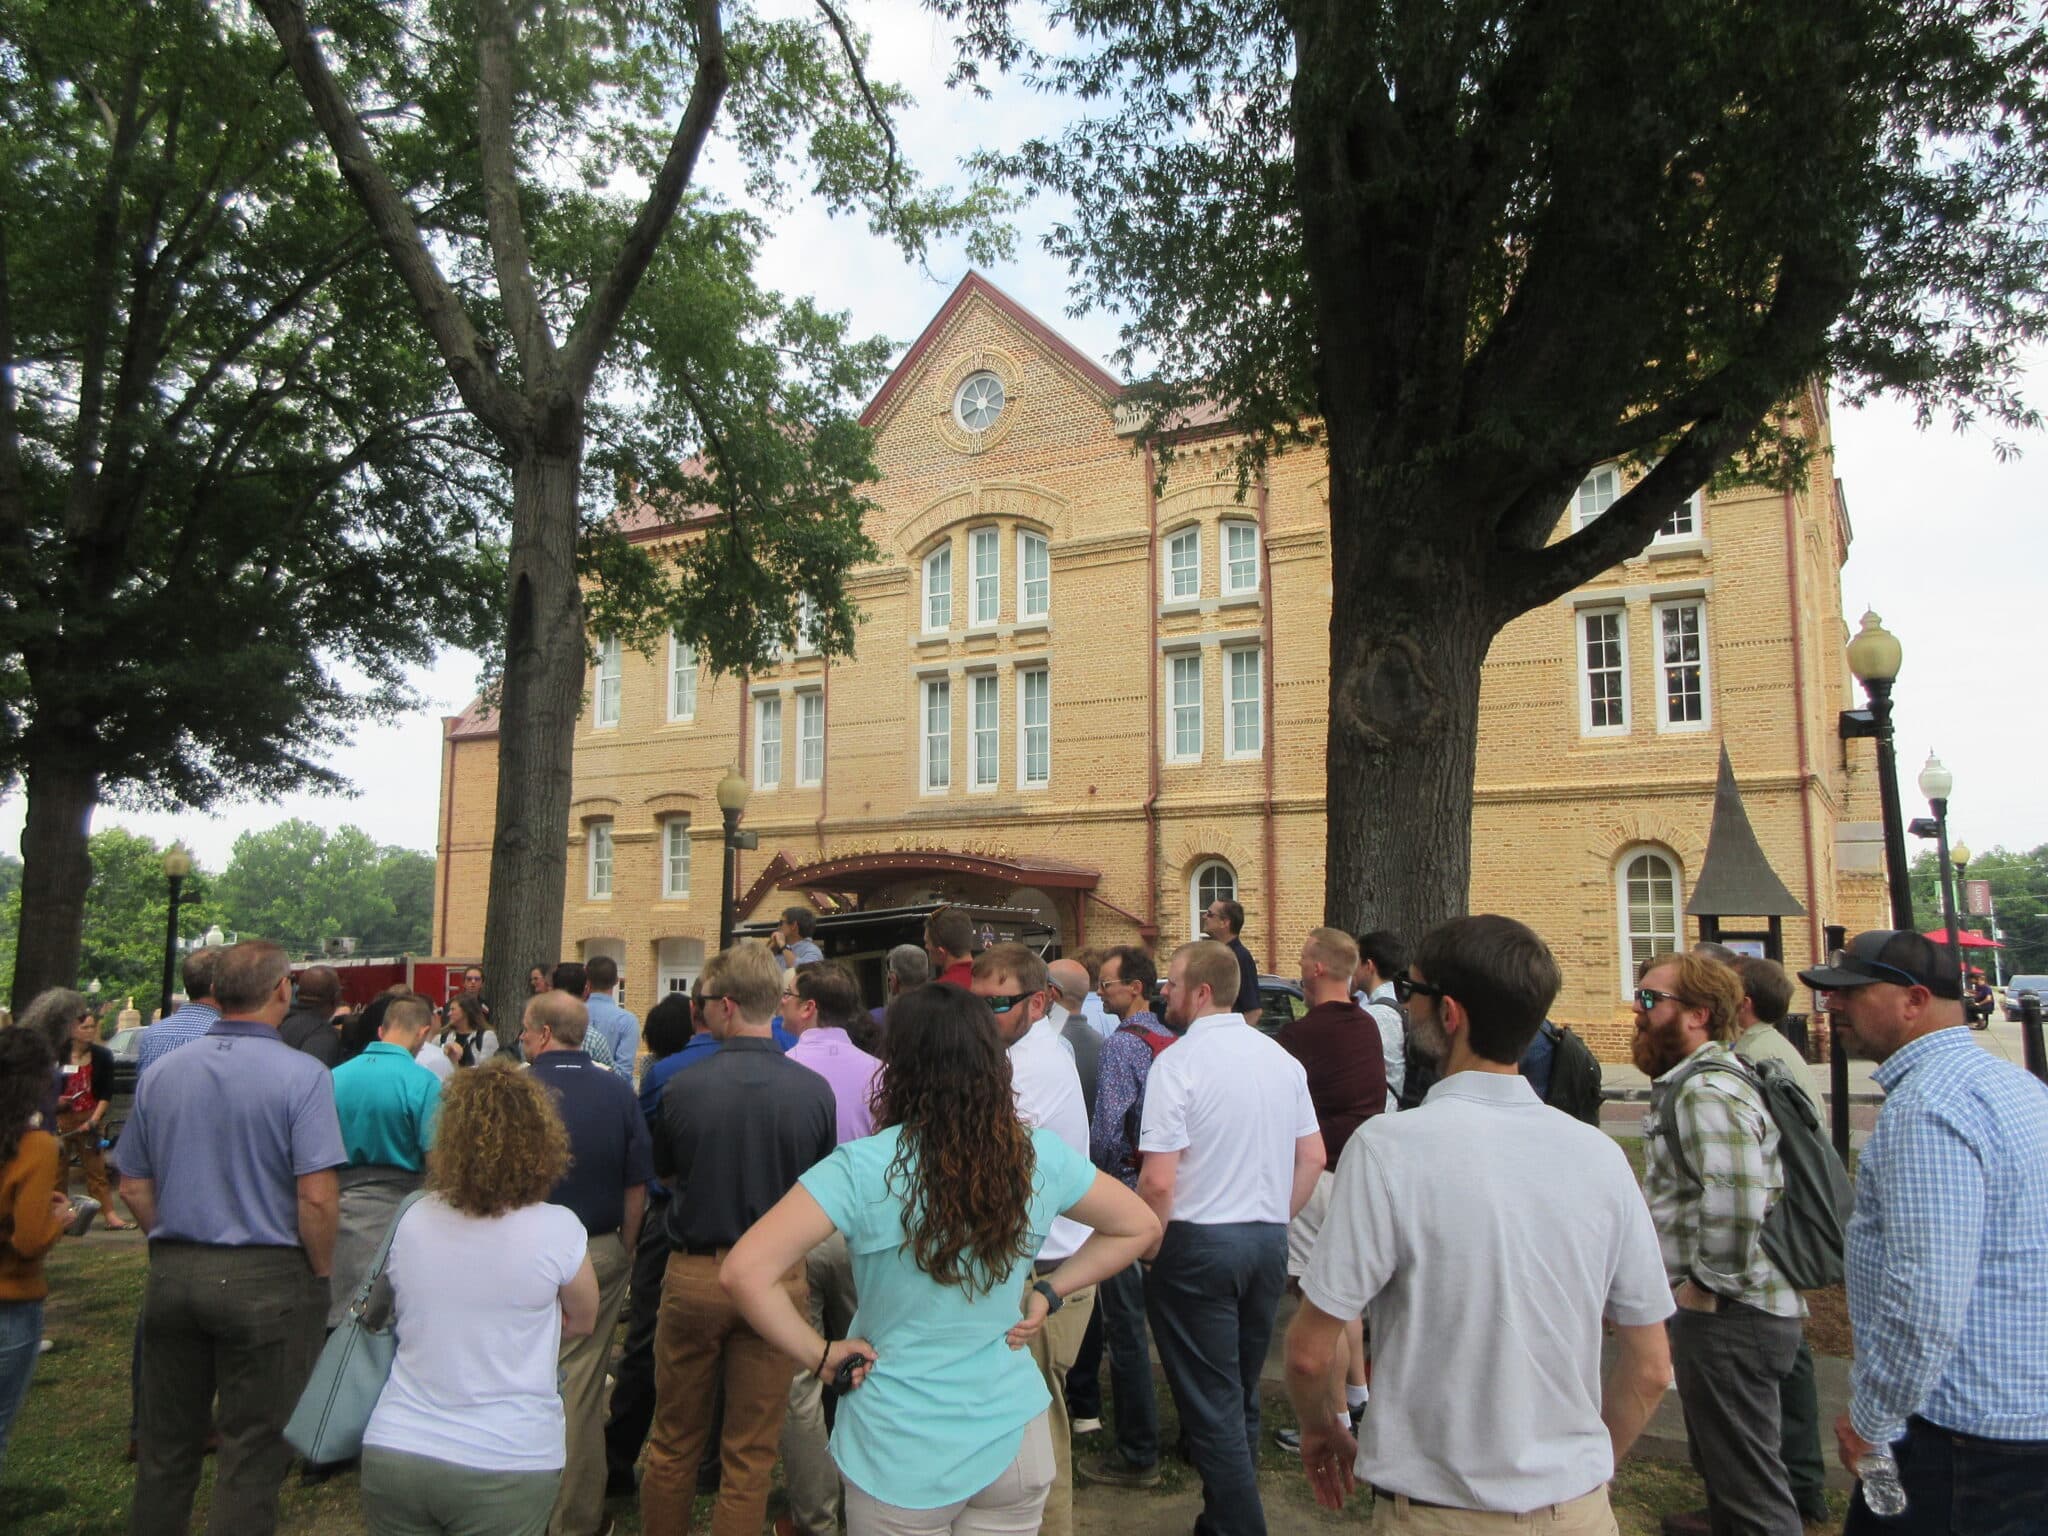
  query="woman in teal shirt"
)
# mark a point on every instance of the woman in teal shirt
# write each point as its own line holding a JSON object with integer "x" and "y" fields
{"x": 943, "y": 1209}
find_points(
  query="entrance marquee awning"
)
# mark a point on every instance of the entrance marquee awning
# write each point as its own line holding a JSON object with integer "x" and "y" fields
{"x": 865, "y": 871}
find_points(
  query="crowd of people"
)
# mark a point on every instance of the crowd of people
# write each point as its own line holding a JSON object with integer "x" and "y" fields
{"x": 896, "y": 1248}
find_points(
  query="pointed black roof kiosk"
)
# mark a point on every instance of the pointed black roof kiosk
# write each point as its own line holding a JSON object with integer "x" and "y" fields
{"x": 1736, "y": 880}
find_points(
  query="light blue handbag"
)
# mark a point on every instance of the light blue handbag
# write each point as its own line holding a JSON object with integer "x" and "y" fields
{"x": 334, "y": 1410}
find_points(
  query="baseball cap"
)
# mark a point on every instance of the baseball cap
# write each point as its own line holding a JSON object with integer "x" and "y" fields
{"x": 1896, "y": 955}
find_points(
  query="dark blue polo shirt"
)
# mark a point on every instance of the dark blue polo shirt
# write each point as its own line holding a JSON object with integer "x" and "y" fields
{"x": 609, "y": 1148}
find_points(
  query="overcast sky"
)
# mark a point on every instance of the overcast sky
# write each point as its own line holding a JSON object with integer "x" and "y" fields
{"x": 1944, "y": 532}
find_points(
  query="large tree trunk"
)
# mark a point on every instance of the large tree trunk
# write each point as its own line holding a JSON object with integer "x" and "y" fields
{"x": 541, "y": 698}
{"x": 62, "y": 788}
{"x": 1409, "y": 628}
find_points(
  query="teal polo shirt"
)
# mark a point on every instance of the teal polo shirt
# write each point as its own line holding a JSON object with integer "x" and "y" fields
{"x": 387, "y": 1103}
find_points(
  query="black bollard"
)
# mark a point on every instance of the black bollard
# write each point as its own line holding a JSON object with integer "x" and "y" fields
{"x": 2030, "y": 1035}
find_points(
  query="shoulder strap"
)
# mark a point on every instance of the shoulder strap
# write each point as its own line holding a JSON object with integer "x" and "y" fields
{"x": 1732, "y": 1065}
{"x": 361, "y": 1298}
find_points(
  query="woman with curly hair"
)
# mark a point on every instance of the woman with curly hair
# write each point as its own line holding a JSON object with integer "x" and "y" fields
{"x": 943, "y": 1208}
{"x": 485, "y": 1280}
{"x": 33, "y": 1211}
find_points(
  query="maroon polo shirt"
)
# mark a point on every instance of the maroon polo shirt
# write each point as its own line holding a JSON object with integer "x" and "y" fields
{"x": 1338, "y": 1044}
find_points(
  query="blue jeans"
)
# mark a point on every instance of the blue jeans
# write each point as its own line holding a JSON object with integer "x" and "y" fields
{"x": 1120, "y": 1304}
{"x": 1212, "y": 1294}
{"x": 1961, "y": 1485}
{"x": 21, "y": 1341}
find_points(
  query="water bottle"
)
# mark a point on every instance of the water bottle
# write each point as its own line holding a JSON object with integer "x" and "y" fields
{"x": 1882, "y": 1492}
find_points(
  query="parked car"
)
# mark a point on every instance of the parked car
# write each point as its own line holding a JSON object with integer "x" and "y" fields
{"x": 1279, "y": 1001}
{"x": 2017, "y": 985}
{"x": 127, "y": 1048}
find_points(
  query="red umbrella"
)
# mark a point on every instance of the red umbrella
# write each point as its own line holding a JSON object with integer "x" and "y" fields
{"x": 1966, "y": 940}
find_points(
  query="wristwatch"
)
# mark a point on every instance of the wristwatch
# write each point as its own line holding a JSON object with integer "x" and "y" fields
{"x": 1053, "y": 1299}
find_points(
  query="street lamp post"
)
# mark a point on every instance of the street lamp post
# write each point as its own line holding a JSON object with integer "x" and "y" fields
{"x": 1874, "y": 657}
{"x": 732, "y": 801}
{"x": 1935, "y": 784}
{"x": 177, "y": 865}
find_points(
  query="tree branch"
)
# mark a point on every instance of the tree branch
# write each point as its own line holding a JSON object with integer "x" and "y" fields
{"x": 496, "y": 404}
{"x": 511, "y": 259}
{"x": 892, "y": 172}
{"x": 607, "y": 303}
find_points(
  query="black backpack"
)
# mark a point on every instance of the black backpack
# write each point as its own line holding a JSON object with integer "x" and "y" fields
{"x": 1574, "y": 1078}
{"x": 1805, "y": 1232}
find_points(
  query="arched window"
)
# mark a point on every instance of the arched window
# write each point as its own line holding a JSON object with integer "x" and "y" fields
{"x": 1213, "y": 880}
{"x": 1647, "y": 894}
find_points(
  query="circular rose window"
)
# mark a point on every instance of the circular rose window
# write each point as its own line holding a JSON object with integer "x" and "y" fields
{"x": 979, "y": 401}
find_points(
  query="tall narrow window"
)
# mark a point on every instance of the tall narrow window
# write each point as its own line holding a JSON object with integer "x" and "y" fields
{"x": 1185, "y": 742}
{"x": 1247, "y": 703}
{"x": 1603, "y": 672}
{"x": 810, "y": 737}
{"x": 1684, "y": 521}
{"x": 984, "y": 728}
{"x": 682, "y": 679}
{"x": 1240, "y": 557}
{"x": 1648, "y": 897}
{"x": 675, "y": 857}
{"x": 984, "y": 547}
{"x": 610, "y": 680}
{"x": 1184, "y": 564}
{"x": 1682, "y": 666}
{"x": 1597, "y": 492}
{"x": 938, "y": 589}
{"x": 600, "y": 841}
{"x": 768, "y": 741}
{"x": 936, "y": 752}
{"x": 1213, "y": 881}
{"x": 1034, "y": 576}
{"x": 1034, "y": 730}
{"x": 806, "y": 624}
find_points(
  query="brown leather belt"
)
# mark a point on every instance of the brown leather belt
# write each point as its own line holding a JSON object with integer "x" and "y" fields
{"x": 1389, "y": 1495}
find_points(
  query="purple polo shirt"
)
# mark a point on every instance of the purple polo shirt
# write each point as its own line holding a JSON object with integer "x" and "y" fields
{"x": 850, "y": 1071}
{"x": 225, "y": 1128}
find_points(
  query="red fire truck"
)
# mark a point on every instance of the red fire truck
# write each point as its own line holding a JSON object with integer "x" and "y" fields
{"x": 435, "y": 978}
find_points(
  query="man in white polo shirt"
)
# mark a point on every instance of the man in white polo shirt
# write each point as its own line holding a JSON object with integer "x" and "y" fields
{"x": 1489, "y": 1240}
{"x": 1231, "y": 1151}
{"x": 1014, "y": 983}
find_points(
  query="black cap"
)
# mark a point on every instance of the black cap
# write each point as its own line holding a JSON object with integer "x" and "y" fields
{"x": 1896, "y": 955}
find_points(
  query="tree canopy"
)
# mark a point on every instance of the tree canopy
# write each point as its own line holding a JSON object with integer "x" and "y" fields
{"x": 301, "y": 885}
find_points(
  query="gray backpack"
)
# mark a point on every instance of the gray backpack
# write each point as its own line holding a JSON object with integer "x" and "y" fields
{"x": 1805, "y": 1232}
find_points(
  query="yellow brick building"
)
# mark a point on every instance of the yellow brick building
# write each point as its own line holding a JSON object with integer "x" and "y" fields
{"x": 1075, "y": 696}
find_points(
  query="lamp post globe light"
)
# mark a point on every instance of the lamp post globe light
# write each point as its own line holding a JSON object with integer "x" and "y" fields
{"x": 177, "y": 865}
{"x": 1875, "y": 657}
{"x": 732, "y": 802}
{"x": 1935, "y": 784}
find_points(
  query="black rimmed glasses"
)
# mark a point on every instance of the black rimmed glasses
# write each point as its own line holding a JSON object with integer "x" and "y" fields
{"x": 1406, "y": 987}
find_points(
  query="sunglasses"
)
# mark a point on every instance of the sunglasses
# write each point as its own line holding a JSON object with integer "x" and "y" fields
{"x": 1649, "y": 997}
{"x": 1003, "y": 1004}
{"x": 1406, "y": 987}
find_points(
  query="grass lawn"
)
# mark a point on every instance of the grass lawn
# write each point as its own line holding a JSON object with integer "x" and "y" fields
{"x": 66, "y": 1474}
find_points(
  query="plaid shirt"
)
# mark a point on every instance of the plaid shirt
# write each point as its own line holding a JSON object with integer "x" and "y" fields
{"x": 1948, "y": 1249}
{"x": 1710, "y": 1230}
{"x": 166, "y": 1035}
{"x": 1120, "y": 1085}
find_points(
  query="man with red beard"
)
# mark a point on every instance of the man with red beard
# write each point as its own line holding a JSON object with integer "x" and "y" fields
{"x": 1736, "y": 1334}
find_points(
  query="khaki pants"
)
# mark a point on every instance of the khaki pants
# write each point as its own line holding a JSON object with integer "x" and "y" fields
{"x": 579, "y": 1507}
{"x": 1587, "y": 1515}
{"x": 81, "y": 1145}
{"x": 1009, "y": 1506}
{"x": 808, "y": 1473}
{"x": 701, "y": 1343}
{"x": 1054, "y": 1348}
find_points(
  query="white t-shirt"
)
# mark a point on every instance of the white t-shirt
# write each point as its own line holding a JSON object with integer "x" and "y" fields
{"x": 1048, "y": 1090}
{"x": 1487, "y": 1237}
{"x": 1233, "y": 1104}
{"x": 479, "y": 1321}
{"x": 435, "y": 1060}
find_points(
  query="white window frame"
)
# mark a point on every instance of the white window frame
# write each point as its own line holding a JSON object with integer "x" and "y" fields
{"x": 1658, "y": 613}
{"x": 806, "y": 625}
{"x": 938, "y": 584}
{"x": 1235, "y": 582}
{"x": 1033, "y": 605}
{"x": 611, "y": 683}
{"x": 810, "y": 742}
{"x": 984, "y": 731}
{"x": 1600, "y": 490}
{"x": 1234, "y": 748}
{"x": 1027, "y": 730}
{"x": 1177, "y": 710}
{"x": 682, "y": 678}
{"x": 1189, "y": 537}
{"x": 767, "y": 745}
{"x": 1581, "y": 662}
{"x": 1197, "y": 902}
{"x": 675, "y": 858}
{"x": 984, "y": 587}
{"x": 598, "y": 860}
{"x": 1694, "y": 510}
{"x": 1658, "y": 939}
{"x": 935, "y": 746}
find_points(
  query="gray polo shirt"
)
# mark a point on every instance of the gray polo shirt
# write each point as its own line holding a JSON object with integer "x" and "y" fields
{"x": 225, "y": 1128}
